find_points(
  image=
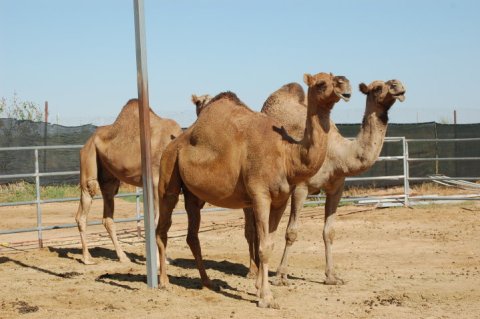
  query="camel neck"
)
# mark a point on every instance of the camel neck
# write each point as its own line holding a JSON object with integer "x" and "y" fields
{"x": 369, "y": 142}
{"x": 308, "y": 155}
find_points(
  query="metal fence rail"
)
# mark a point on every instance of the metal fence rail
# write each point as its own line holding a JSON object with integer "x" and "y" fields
{"x": 38, "y": 201}
{"x": 405, "y": 198}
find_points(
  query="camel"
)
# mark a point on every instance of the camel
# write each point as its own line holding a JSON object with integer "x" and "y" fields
{"x": 200, "y": 102}
{"x": 344, "y": 158}
{"x": 112, "y": 155}
{"x": 234, "y": 157}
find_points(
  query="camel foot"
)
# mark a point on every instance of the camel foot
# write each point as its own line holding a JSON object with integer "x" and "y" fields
{"x": 268, "y": 303}
{"x": 333, "y": 281}
{"x": 123, "y": 258}
{"x": 207, "y": 283}
{"x": 164, "y": 287}
{"x": 280, "y": 280}
{"x": 163, "y": 282}
{"x": 251, "y": 274}
{"x": 88, "y": 261}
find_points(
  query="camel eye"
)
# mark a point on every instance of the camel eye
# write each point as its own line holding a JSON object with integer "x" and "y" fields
{"x": 320, "y": 85}
{"x": 377, "y": 89}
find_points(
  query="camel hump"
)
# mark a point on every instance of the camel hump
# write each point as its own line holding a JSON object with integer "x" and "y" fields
{"x": 293, "y": 89}
{"x": 133, "y": 101}
{"x": 288, "y": 92}
{"x": 228, "y": 96}
{"x": 130, "y": 111}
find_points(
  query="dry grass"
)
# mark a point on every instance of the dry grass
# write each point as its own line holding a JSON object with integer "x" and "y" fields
{"x": 418, "y": 189}
{"x": 23, "y": 191}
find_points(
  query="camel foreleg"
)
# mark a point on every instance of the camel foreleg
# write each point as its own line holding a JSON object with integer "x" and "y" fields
{"x": 299, "y": 196}
{"x": 331, "y": 204}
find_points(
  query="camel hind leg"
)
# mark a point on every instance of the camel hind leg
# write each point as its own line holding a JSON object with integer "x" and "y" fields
{"x": 89, "y": 186}
{"x": 109, "y": 188}
{"x": 193, "y": 205}
{"x": 169, "y": 186}
{"x": 252, "y": 240}
{"x": 81, "y": 219}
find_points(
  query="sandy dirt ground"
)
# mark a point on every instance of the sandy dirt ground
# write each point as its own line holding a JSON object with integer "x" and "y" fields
{"x": 396, "y": 262}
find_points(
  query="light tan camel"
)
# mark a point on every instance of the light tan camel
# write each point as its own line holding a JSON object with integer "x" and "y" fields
{"x": 234, "y": 157}
{"x": 112, "y": 155}
{"x": 344, "y": 158}
{"x": 200, "y": 102}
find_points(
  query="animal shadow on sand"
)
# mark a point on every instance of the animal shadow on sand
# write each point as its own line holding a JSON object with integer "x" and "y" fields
{"x": 224, "y": 266}
{"x": 230, "y": 268}
{"x": 96, "y": 252}
{"x": 66, "y": 275}
{"x": 121, "y": 280}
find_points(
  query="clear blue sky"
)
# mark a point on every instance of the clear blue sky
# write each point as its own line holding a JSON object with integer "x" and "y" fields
{"x": 80, "y": 55}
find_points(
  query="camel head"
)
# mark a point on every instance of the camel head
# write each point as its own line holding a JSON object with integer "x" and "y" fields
{"x": 384, "y": 94}
{"x": 327, "y": 89}
{"x": 201, "y": 101}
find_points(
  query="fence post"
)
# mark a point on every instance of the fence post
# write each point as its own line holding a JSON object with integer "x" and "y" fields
{"x": 406, "y": 173}
{"x": 45, "y": 137}
{"x": 145, "y": 147}
{"x": 37, "y": 200}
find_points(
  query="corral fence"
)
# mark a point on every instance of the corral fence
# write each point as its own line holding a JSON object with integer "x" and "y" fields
{"x": 15, "y": 133}
{"x": 392, "y": 169}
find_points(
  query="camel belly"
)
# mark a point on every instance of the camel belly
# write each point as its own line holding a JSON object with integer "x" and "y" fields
{"x": 222, "y": 194}
{"x": 233, "y": 202}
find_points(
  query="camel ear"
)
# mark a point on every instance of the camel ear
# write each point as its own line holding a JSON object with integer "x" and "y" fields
{"x": 308, "y": 79}
{"x": 363, "y": 88}
{"x": 194, "y": 99}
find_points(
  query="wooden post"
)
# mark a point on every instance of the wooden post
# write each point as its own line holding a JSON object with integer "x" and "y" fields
{"x": 144, "y": 110}
{"x": 46, "y": 111}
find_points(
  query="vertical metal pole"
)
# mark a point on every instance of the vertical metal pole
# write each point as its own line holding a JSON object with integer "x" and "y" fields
{"x": 144, "y": 110}
{"x": 37, "y": 200}
{"x": 45, "y": 137}
{"x": 406, "y": 174}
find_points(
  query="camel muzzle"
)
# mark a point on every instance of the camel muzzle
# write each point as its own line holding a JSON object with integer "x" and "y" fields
{"x": 346, "y": 96}
{"x": 400, "y": 96}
